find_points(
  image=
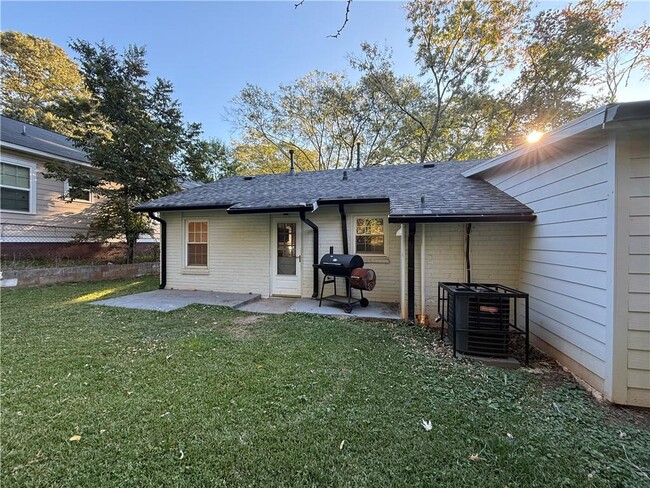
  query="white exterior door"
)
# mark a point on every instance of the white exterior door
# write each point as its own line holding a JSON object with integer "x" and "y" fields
{"x": 285, "y": 256}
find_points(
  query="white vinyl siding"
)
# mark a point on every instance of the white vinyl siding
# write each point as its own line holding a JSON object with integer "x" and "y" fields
{"x": 633, "y": 268}
{"x": 564, "y": 252}
{"x": 49, "y": 208}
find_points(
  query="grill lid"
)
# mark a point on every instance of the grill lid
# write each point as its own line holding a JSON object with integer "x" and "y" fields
{"x": 344, "y": 261}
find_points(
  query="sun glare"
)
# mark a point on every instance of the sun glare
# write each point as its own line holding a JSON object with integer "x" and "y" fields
{"x": 534, "y": 136}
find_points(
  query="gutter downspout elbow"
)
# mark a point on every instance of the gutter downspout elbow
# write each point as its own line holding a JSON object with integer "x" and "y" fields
{"x": 163, "y": 249}
{"x": 315, "y": 251}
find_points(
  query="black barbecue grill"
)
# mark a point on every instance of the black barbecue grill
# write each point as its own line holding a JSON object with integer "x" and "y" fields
{"x": 350, "y": 268}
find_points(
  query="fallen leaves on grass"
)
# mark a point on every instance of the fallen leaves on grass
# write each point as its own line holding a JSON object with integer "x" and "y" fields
{"x": 426, "y": 425}
{"x": 476, "y": 457}
{"x": 341, "y": 445}
{"x": 75, "y": 438}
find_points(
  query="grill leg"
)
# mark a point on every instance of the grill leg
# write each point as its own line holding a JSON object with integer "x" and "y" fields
{"x": 322, "y": 290}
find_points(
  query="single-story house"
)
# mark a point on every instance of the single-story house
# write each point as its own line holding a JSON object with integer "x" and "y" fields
{"x": 565, "y": 220}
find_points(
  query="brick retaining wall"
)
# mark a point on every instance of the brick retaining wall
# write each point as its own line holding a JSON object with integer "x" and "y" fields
{"x": 50, "y": 276}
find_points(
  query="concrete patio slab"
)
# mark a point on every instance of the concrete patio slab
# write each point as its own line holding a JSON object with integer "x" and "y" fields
{"x": 168, "y": 300}
{"x": 273, "y": 305}
{"x": 376, "y": 310}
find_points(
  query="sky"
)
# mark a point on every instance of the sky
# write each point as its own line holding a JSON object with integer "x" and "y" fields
{"x": 209, "y": 50}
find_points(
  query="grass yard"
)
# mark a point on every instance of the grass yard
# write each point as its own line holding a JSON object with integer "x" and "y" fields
{"x": 209, "y": 396}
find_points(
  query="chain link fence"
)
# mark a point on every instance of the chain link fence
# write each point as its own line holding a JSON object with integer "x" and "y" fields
{"x": 34, "y": 246}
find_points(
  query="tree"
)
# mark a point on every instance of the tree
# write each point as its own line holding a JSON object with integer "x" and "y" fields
{"x": 37, "y": 77}
{"x": 463, "y": 104}
{"x": 133, "y": 133}
{"x": 321, "y": 116}
{"x": 207, "y": 160}
{"x": 563, "y": 56}
{"x": 460, "y": 48}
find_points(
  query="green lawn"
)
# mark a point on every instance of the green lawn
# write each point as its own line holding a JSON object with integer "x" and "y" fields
{"x": 208, "y": 396}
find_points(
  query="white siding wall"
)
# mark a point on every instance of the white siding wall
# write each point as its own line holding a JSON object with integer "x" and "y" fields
{"x": 632, "y": 319}
{"x": 564, "y": 252}
{"x": 51, "y": 210}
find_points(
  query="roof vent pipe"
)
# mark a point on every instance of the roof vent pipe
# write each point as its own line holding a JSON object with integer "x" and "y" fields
{"x": 345, "y": 175}
{"x": 24, "y": 132}
{"x": 291, "y": 170}
{"x": 358, "y": 156}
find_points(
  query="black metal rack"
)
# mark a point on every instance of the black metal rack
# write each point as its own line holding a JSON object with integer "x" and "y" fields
{"x": 482, "y": 318}
{"x": 347, "y": 300}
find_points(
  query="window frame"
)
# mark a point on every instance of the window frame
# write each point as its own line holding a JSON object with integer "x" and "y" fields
{"x": 187, "y": 242}
{"x": 354, "y": 234}
{"x": 32, "y": 184}
{"x": 66, "y": 191}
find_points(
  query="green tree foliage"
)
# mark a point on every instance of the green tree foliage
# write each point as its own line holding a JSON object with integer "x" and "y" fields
{"x": 133, "y": 133}
{"x": 207, "y": 160}
{"x": 464, "y": 106}
{"x": 321, "y": 116}
{"x": 37, "y": 77}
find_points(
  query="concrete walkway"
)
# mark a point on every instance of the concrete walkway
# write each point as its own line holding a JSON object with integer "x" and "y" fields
{"x": 168, "y": 300}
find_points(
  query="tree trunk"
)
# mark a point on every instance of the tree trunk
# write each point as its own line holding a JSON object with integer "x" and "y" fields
{"x": 131, "y": 240}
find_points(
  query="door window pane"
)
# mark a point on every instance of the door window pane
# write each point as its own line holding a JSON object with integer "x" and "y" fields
{"x": 286, "y": 246}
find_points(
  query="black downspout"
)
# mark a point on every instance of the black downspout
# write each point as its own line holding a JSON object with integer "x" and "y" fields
{"x": 315, "y": 228}
{"x": 468, "y": 267}
{"x": 410, "y": 300}
{"x": 163, "y": 249}
{"x": 344, "y": 228}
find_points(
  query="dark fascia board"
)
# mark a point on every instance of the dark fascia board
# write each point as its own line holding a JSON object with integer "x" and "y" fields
{"x": 346, "y": 201}
{"x": 599, "y": 118}
{"x": 145, "y": 208}
{"x": 257, "y": 210}
{"x": 398, "y": 219}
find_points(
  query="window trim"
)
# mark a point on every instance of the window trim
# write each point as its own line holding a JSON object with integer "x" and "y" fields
{"x": 353, "y": 236}
{"x": 186, "y": 243}
{"x": 66, "y": 191}
{"x": 32, "y": 184}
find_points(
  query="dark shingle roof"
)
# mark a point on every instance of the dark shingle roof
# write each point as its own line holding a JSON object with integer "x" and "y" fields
{"x": 38, "y": 139}
{"x": 413, "y": 190}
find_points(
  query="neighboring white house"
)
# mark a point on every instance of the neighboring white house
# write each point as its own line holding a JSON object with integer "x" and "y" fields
{"x": 37, "y": 217}
{"x": 28, "y": 198}
{"x": 565, "y": 220}
{"x": 585, "y": 260}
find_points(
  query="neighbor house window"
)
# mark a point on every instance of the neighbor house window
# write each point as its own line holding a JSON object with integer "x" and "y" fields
{"x": 16, "y": 187}
{"x": 76, "y": 194}
{"x": 197, "y": 243}
{"x": 369, "y": 235}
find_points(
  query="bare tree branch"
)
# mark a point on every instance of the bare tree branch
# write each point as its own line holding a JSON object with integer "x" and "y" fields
{"x": 345, "y": 22}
